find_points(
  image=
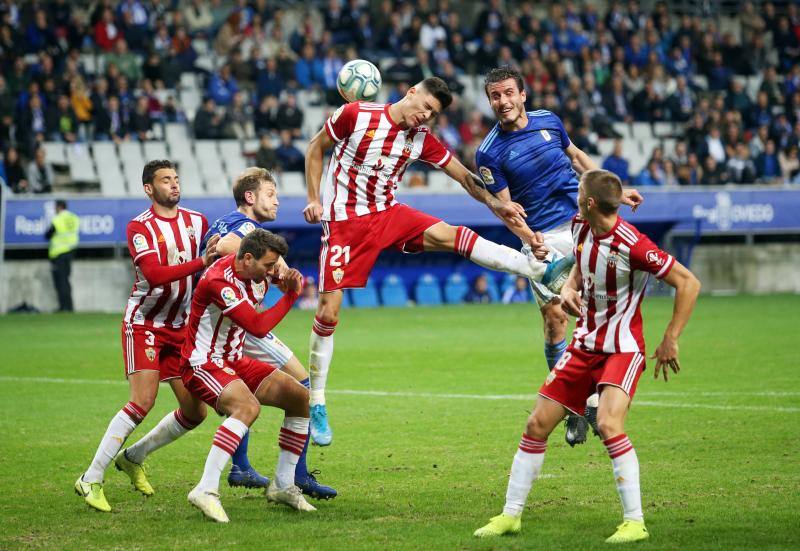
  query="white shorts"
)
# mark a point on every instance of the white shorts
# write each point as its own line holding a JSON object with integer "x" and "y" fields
{"x": 558, "y": 239}
{"x": 270, "y": 349}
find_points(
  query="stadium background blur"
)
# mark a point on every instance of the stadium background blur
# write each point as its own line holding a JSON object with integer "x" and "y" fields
{"x": 697, "y": 103}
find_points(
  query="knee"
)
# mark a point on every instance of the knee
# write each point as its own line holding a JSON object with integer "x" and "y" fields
{"x": 145, "y": 401}
{"x": 196, "y": 413}
{"x": 535, "y": 428}
{"x": 328, "y": 309}
{"x": 608, "y": 425}
{"x": 555, "y": 323}
{"x": 247, "y": 412}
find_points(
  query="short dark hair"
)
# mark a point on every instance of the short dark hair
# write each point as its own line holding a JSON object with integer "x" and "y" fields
{"x": 604, "y": 187}
{"x": 438, "y": 89}
{"x": 250, "y": 180}
{"x": 61, "y": 204}
{"x": 150, "y": 169}
{"x": 499, "y": 74}
{"x": 260, "y": 241}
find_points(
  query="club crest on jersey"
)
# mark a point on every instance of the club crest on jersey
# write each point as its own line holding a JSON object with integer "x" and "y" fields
{"x": 408, "y": 147}
{"x": 229, "y": 371}
{"x": 546, "y": 135}
{"x": 228, "y": 296}
{"x": 259, "y": 289}
{"x": 338, "y": 275}
{"x": 486, "y": 175}
{"x": 653, "y": 258}
{"x": 150, "y": 353}
{"x": 139, "y": 243}
{"x": 190, "y": 232}
{"x": 612, "y": 259}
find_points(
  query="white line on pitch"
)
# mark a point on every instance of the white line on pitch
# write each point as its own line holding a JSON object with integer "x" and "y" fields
{"x": 525, "y": 397}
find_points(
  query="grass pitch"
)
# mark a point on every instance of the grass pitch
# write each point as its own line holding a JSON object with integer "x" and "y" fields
{"x": 427, "y": 406}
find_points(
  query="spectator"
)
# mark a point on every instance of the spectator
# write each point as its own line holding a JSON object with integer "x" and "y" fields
{"x": 63, "y": 236}
{"x": 651, "y": 175}
{"x": 240, "y": 117}
{"x": 331, "y": 65}
{"x": 209, "y": 122}
{"x": 40, "y": 173}
{"x": 617, "y": 164}
{"x": 290, "y": 158}
{"x": 16, "y": 178}
{"x": 289, "y": 117}
{"x": 616, "y": 102}
{"x": 265, "y": 118}
{"x": 479, "y": 293}
{"x": 222, "y": 86}
{"x": 740, "y": 168}
{"x": 681, "y": 103}
{"x": 33, "y": 127}
{"x": 141, "y": 125}
{"x": 713, "y": 173}
{"x": 447, "y": 132}
{"x": 714, "y": 147}
{"x": 106, "y": 32}
{"x": 768, "y": 167}
{"x": 266, "y": 156}
{"x": 79, "y": 98}
{"x": 64, "y": 123}
{"x": 198, "y": 17}
{"x": 790, "y": 163}
{"x": 518, "y": 293}
{"x": 269, "y": 81}
{"x": 229, "y": 35}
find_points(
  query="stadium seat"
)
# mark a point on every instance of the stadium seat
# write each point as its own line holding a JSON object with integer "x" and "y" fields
{"x": 112, "y": 180}
{"x": 81, "y": 167}
{"x": 393, "y": 291}
{"x": 155, "y": 150}
{"x": 641, "y": 131}
{"x": 231, "y": 153}
{"x": 210, "y": 165}
{"x": 455, "y": 289}
{"x": 292, "y": 184}
{"x": 192, "y": 181}
{"x": 130, "y": 153}
{"x": 427, "y": 291}
{"x": 54, "y": 153}
{"x": 366, "y": 297}
{"x": 439, "y": 182}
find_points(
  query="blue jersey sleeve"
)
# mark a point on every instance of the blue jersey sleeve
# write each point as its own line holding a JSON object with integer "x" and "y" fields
{"x": 565, "y": 142}
{"x": 490, "y": 172}
{"x": 242, "y": 227}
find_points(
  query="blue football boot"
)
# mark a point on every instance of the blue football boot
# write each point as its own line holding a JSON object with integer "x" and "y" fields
{"x": 321, "y": 432}
{"x": 249, "y": 478}
{"x": 308, "y": 484}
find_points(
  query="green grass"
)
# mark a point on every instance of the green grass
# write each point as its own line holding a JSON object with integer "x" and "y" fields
{"x": 718, "y": 444}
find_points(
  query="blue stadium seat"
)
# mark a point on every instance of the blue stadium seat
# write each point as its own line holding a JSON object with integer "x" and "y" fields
{"x": 494, "y": 292}
{"x": 346, "y": 299}
{"x": 393, "y": 291}
{"x": 455, "y": 289}
{"x": 366, "y": 297}
{"x": 427, "y": 290}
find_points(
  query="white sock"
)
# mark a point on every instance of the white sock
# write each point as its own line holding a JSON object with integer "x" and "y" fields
{"x": 626, "y": 475}
{"x": 524, "y": 470}
{"x": 291, "y": 440}
{"x": 226, "y": 440}
{"x": 120, "y": 427}
{"x": 319, "y": 358}
{"x": 496, "y": 257}
{"x": 170, "y": 428}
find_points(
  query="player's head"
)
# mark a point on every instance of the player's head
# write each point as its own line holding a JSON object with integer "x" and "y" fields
{"x": 259, "y": 252}
{"x": 254, "y": 190}
{"x": 506, "y": 92}
{"x": 424, "y": 101}
{"x": 600, "y": 192}
{"x": 61, "y": 205}
{"x": 160, "y": 180}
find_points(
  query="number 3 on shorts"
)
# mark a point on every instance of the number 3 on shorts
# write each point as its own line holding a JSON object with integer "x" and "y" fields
{"x": 336, "y": 253}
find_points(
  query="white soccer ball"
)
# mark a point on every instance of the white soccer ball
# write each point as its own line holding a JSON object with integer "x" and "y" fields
{"x": 359, "y": 80}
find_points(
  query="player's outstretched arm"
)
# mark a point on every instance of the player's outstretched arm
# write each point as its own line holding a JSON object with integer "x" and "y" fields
{"x": 314, "y": 158}
{"x": 687, "y": 287}
{"x": 158, "y": 274}
{"x": 581, "y": 162}
{"x": 259, "y": 324}
{"x": 229, "y": 244}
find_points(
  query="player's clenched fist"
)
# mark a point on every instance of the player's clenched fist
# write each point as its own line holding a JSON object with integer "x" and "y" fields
{"x": 313, "y": 212}
{"x": 211, "y": 250}
{"x": 292, "y": 281}
{"x": 571, "y": 301}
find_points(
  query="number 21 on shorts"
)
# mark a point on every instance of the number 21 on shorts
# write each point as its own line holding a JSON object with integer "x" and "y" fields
{"x": 337, "y": 252}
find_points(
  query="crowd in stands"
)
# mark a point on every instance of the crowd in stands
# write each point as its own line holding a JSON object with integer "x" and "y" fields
{"x": 598, "y": 70}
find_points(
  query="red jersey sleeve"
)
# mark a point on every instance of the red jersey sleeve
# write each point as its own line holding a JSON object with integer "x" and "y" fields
{"x": 225, "y": 295}
{"x": 259, "y": 324}
{"x": 646, "y": 256}
{"x": 343, "y": 121}
{"x": 140, "y": 241}
{"x": 434, "y": 152}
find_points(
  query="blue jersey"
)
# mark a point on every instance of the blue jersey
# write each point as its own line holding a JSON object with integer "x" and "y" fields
{"x": 235, "y": 222}
{"x": 533, "y": 165}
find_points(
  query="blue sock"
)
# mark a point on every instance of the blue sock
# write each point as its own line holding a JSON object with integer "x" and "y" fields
{"x": 240, "y": 455}
{"x": 302, "y": 468}
{"x": 553, "y": 352}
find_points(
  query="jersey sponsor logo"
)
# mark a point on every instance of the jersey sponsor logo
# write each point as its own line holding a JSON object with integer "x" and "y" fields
{"x": 139, "y": 243}
{"x": 246, "y": 228}
{"x": 338, "y": 275}
{"x": 150, "y": 353}
{"x": 370, "y": 170}
{"x": 486, "y": 175}
{"x": 546, "y": 135}
{"x": 228, "y": 296}
{"x": 337, "y": 114}
{"x": 653, "y": 257}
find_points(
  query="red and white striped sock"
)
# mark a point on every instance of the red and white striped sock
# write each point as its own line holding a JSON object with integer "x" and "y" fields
{"x": 319, "y": 358}
{"x": 292, "y": 440}
{"x": 495, "y": 257}
{"x": 626, "y": 474}
{"x": 120, "y": 427}
{"x": 226, "y": 440}
{"x": 524, "y": 470}
{"x": 173, "y": 425}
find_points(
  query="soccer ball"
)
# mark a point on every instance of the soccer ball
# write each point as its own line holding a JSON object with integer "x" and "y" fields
{"x": 359, "y": 80}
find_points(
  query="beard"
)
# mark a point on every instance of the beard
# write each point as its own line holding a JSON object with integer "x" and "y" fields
{"x": 165, "y": 200}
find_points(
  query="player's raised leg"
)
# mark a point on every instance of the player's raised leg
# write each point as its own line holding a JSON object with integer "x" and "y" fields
{"x": 144, "y": 388}
{"x": 319, "y": 362}
{"x": 190, "y": 413}
{"x": 467, "y": 243}
{"x": 526, "y": 467}
{"x": 611, "y": 412}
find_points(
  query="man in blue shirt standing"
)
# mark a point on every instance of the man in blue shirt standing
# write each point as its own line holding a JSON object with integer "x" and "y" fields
{"x": 528, "y": 158}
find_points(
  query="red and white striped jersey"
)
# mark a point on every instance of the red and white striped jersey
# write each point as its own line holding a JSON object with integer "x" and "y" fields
{"x": 212, "y": 335}
{"x": 174, "y": 241}
{"x": 614, "y": 267}
{"x": 370, "y": 157}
